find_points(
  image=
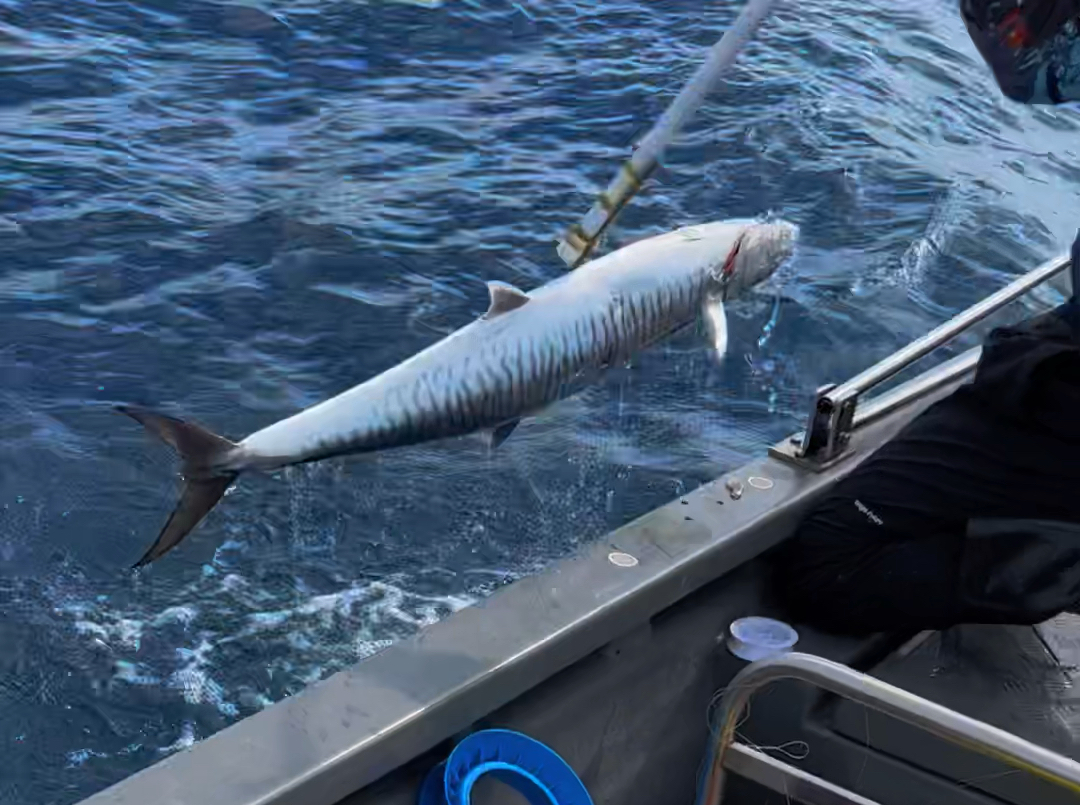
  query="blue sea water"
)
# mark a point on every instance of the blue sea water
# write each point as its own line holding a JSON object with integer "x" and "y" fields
{"x": 230, "y": 211}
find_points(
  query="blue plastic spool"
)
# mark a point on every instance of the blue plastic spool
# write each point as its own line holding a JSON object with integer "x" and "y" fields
{"x": 516, "y": 760}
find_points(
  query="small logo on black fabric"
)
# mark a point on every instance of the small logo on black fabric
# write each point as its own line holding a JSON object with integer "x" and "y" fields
{"x": 873, "y": 518}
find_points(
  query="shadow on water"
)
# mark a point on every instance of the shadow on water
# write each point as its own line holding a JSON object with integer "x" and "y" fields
{"x": 231, "y": 211}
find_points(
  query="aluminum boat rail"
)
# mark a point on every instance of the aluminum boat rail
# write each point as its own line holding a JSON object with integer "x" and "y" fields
{"x": 834, "y": 414}
{"x": 866, "y": 690}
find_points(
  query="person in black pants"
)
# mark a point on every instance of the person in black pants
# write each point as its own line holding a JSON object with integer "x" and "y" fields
{"x": 971, "y": 514}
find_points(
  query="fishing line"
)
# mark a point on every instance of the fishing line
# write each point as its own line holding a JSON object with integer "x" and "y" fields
{"x": 795, "y": 749}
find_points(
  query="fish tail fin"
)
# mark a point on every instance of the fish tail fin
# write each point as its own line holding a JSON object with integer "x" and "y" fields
{"x": 202, "y": 454}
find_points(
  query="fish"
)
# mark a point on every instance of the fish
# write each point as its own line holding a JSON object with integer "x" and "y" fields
{"x": 527, "y": 351}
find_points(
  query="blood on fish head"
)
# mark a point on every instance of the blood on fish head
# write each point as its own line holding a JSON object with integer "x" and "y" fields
{"x": 751, "y": 250}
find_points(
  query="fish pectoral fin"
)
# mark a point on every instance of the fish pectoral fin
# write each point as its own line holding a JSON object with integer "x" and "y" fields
{"x": 504, "y": 298}
{"x": 499, "y": 434}
{"x": 716, "y": 326}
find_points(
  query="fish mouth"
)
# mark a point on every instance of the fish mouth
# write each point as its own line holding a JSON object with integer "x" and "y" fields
{"x": 787, "y": 239}
{"x": 764, "y": 248}
{"x": 784, "y": 233}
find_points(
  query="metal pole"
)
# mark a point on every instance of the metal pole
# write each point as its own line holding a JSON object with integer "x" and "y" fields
{"x": 581, "y": 238}
{"x": 783, "y": 778}
{"x": 935, "y": 719}
{"x": 935, "y": 338}
{"x": 875, "y": 408}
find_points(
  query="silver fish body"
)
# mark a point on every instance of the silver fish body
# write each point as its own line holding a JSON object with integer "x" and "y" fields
{"x": 521, "y": 356}
{"x": 513, "y": 362}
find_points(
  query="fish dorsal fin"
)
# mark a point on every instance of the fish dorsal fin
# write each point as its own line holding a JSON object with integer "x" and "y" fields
{"x": 504, "y": 298}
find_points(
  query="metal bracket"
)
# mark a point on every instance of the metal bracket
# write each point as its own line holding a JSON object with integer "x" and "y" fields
{"x": 826, "y": 438}
{"x": 829, "y": 430}
{"x": 790, "y": 452}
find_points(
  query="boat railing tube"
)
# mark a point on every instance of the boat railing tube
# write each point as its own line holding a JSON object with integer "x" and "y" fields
{"x": 955, "y": 727}
{"x": 833, "y": 417}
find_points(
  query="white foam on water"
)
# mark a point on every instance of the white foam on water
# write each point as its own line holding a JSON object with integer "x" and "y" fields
{"x": 184, "y": 741}
{"x": 186, "y": 647}
{"x": 78, "y": 757}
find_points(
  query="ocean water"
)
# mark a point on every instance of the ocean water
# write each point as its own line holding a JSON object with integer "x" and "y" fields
{"x": 230, "y": 211}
